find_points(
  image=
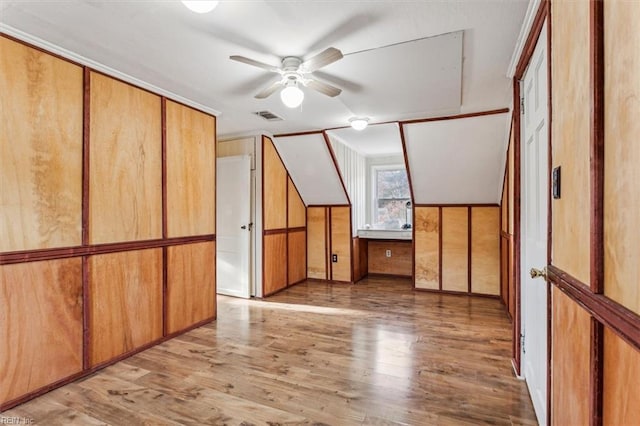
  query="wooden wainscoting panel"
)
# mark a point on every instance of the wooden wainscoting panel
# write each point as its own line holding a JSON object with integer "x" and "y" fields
{"x": 191, "y": 171}
{"x": 275, "y": 263}
{"x": 341, "y": 243}
{"x": 125, "y": 192}
{"x": 297, "y": 211}
{"x": 360, "y": 258}
{"x": 191, "y": 285}
{"x": 504, "y": 219}
{"x": 125, "y": 302}
{"x": 504, "y": 270}
{"x": 297, "y": 256}
{"x": 274, "y": 202}
{"x": 621, "y": 381}
{"x": 485, "y": 250}
{"x": 400, "y": 262}
{"x": 455, "y": 249}
{"x": 512, "y": 277}
{"x": 40, "y": 325}
{"x": 427, "y": 253}
{"x": 40, "y": 149}
{"x": 570, "y": 361}
{"x": 316, "y": 243}
{"x": 622, "y": 152}
{"x": 571, "y": 130}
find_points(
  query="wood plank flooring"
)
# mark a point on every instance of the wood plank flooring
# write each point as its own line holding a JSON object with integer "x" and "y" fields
{"x": 374, "y": 353}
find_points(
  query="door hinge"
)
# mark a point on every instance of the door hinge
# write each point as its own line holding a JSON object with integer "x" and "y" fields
{"x": 522, "y": 105}
{"x": 522, "y": 343}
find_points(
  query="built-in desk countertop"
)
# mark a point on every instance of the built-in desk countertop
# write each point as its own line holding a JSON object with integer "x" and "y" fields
{"x": 385, "y": 234}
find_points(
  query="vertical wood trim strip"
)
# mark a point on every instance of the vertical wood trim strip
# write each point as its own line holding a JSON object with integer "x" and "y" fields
{"x": 596, "y": 381}
{"x": 440, "y": 248}
{"x": 165, "y": 304}
{"x": 86, "y": 134}
{"x": 516, "y": 226}
{"x": 262, "y": 211}
{"x": 469, "y": 242}
{"x": 549, "y": 211}
{"x": 286, "y": 243}
{"x": 351, "y": 242}
{"x": 163, "y": 119}
{"x": 406, "y": 162}
{"x": 596, "y": 50}
{"x": 329, "y": 211}
{"x": 413, "y": 250}
{"x": 86, "y": 314}
{"x": 597, "y": 146}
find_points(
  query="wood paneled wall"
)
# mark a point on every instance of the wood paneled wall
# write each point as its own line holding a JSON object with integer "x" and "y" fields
{"x": 40, "y": 157}
{"x": 457, "y": 249}
{"x": 40, "y": 325}
{"x": 595, "y": 304}
{"x": 317, "y": 253}
{"x": 570, "y": 349}
{"x": 191, "y": 199}
{"x": 622, "y": 152}
{"x": 570, "y": 127}
{"x": 94, "y": 184}
{"x": 400, "y": 262}
{"x": 118, "y": 322}
{"x": 125, "y": 181}
{"x": 284, "y": 247}
{"x": 507, "y": 249}
{"x": 426, "y": 237}
{"x": 329, "y": 233}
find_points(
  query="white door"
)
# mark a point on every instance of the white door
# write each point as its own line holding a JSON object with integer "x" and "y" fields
{"x": 535, "y": 188}
{"x": 233, "y": 227}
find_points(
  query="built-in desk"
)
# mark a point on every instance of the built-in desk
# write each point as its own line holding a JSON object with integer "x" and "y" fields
{"x": 384, "y": 252}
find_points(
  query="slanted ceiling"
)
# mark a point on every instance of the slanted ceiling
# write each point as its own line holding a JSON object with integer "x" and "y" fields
{"x": 451, "y": 161}
{"x": 459, "y": 161}
{"x": 309, "y": 162}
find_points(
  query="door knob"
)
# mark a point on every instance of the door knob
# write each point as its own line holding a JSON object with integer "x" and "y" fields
{"x": 536, "y": 273}
{"x": 243, "y": 227}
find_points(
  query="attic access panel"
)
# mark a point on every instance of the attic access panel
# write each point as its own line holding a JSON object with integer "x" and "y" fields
{"x": 459, "y": 161}
{"x": 426, "y": 77}
{"x": 312, "y": 169}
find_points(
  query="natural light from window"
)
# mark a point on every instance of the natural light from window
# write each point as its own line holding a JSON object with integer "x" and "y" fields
{"x": 390, "y": 196}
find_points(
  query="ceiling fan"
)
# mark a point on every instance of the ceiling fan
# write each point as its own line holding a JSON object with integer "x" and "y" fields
{"x": 294, "y": 72}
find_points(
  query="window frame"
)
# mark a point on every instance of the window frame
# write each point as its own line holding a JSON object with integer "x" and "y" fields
{"x": 374, "y": 188}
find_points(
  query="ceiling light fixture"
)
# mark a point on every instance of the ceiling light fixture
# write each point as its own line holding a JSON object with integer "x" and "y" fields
{"x": 291, "y": 95}
{"x": 359, "y": 123}
{"x": 200, "y": 6}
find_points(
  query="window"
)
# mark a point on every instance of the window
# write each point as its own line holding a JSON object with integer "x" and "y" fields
{"x": 390, "y": 196}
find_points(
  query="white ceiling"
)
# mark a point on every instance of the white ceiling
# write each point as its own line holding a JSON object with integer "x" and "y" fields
{"x": 457, "y": 63}
{"x": 458, "y": 161}
{"x": 309, "y": 162}
{"x": 375, "y": 141}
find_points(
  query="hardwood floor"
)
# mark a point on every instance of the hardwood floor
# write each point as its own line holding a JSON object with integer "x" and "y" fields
{"x": 320, "y": 354}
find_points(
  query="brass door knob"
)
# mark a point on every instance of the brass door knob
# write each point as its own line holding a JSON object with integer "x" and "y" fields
{"x": 536, "y": 273}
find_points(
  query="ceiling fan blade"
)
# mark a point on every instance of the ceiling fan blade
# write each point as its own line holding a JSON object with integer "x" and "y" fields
{"x": 322, "y": 59}
{"x": 324, "y": 88}
{"x": 254, "y": 63}
{"x": 269, "y": 90}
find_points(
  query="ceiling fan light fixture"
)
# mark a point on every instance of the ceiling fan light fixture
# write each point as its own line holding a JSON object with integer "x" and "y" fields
{"x": 200, "y": 6}
{"x": 292, "y": 96}
{"x": 359, "y": 123}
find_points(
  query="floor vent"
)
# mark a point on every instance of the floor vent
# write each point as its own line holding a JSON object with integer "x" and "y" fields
{"x": 268, "y": 115}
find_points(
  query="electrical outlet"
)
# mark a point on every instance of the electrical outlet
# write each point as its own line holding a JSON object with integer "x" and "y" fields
{"x": 334, "y": 258}
{"x": 388, "y": 253}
